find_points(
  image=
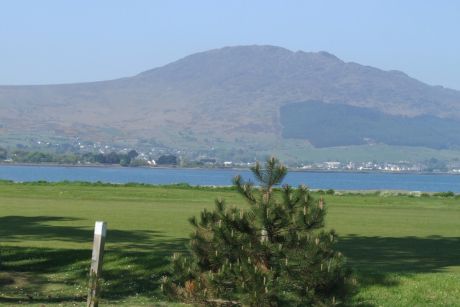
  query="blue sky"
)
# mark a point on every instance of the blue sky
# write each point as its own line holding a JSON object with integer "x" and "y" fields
{"x": 73, "y": 41}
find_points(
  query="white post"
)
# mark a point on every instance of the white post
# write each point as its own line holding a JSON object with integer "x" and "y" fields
{"x": 100, "y": 231}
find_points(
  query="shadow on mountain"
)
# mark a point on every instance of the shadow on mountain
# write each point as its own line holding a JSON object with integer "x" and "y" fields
{"x": 343, "y": 125}
{"x": 133, "y": 262}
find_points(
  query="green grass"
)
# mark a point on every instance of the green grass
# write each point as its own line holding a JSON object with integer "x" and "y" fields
{"x": 405, "y": 250}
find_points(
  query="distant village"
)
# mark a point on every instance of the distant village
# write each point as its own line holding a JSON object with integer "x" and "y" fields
{"x": 85, "y": 153}
{"x": 402, "y": 166}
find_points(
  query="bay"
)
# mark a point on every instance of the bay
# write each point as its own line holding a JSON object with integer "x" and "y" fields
{"x": 223, "y": 177}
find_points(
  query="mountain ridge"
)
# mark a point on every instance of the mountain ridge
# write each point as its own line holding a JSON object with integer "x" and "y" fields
{"x": 223, "y": 95}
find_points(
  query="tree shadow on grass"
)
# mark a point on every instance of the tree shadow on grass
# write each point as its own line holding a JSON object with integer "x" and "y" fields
{"x": 131, "y": 273}
{"x": 132, "y": 263}
{"x": 21, "y": 228}
{"x": 376, "y": 259}
{"x": 134, "y": 260}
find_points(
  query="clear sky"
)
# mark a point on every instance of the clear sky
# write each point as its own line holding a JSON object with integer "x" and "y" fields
{"x": 73, "y": 41}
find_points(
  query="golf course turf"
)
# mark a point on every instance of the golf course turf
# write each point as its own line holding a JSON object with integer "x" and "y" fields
{"x": 404, "y": 250}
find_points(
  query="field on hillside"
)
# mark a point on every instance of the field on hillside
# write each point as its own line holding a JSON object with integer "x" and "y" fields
{"x": 405, "y": 250}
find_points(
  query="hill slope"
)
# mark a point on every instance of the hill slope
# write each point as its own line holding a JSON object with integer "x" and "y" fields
{"x": 327, "y": 125}
{"x": 225, "y": 95}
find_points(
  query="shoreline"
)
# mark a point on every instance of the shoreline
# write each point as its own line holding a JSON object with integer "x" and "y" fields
{"x": 337, "y": 192}
{"x": 9, "y": 164}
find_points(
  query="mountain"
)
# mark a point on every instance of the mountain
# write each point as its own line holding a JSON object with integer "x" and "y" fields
{"x": 228, "y": 97}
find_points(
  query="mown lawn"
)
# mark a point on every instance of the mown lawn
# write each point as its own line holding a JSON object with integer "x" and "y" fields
{"x": 405, "y": 250}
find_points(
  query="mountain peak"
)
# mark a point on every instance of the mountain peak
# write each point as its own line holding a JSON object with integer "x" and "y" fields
{"x": 263, "y": 51}
{"x": 253, "y": 48}
{"x": 328, "y": 55}
{"x": 262, "y": 58}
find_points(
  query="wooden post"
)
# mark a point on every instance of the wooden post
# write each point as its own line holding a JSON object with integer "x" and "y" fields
{"x": 100, "y": 231}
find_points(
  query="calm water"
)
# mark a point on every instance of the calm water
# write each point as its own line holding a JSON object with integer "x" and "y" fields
{"x": 316, "y": 180}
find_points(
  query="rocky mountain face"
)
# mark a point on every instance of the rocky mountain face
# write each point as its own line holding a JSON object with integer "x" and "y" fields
{"x": 225, "y": 94}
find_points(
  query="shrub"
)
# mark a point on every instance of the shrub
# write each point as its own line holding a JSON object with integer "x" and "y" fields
{"x": 274, "y": 254}
{"x": 445, "y": 194}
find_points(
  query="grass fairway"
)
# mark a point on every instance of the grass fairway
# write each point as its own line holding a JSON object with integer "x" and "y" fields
{"x": 405, "y": 250}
